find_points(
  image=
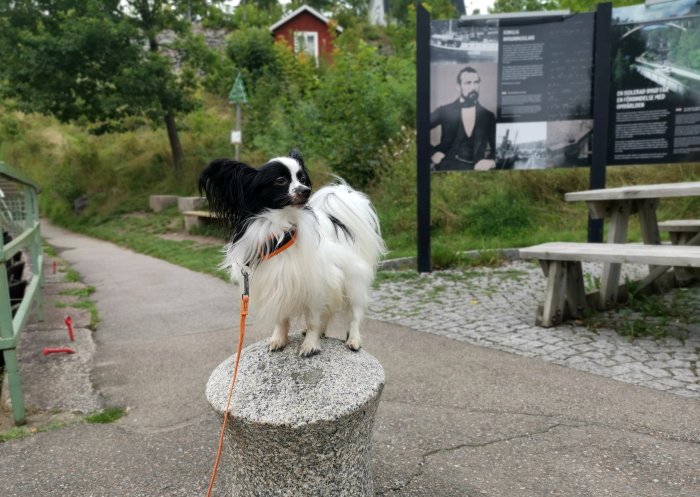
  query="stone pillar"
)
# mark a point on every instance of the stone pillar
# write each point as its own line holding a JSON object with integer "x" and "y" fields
{"x": 299, "y": 426}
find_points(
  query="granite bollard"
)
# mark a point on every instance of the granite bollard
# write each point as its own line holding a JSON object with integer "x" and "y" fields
{"x": 299, "y": 426}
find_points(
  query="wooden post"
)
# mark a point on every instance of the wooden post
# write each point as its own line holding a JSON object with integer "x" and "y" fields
{"x": 617, "y": 233}
{"x": 238, "y": 128}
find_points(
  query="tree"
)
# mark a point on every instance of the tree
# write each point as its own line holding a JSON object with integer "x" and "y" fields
{"x": 522, "y": 6}
{"x": 98, "y": 61}
{"x": 535, "y": 5}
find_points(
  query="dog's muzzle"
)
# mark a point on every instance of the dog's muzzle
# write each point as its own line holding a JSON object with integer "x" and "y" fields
{"x": 300, "y": 195}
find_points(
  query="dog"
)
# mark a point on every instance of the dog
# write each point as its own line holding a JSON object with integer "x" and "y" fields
{"x": 311, "y": 255}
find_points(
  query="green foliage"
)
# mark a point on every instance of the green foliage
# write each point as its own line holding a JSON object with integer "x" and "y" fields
{"x": 109, "y": 415}
{"x": 536, "y": 5}
{"x": 501, "y": 213}
{"x": 402, "y": 11}
{"x": 361, "y": 104}
{"x": 84, "y": 61}
{"x": 522, "y": 6}
{"x": 19, "y": 432}
{"x": 250, "y": 15}
{"x": 65, "y": 61}
{"x": 443, "y": 257}
{"x": 645, "y": 315}
{"x": 251, "y": 50}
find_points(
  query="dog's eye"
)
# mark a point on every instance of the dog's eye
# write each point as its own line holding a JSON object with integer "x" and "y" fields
{"x": 281, "y": 181}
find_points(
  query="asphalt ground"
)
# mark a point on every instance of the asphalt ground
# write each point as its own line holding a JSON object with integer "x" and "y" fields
{"x": 455, "y": 419}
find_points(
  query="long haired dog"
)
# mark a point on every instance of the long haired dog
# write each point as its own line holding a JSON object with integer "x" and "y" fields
{"x": 307, "y": 254}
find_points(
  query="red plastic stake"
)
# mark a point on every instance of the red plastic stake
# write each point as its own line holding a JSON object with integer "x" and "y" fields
{"x": 54, "y": 267}
{"x": 69, "y": 324}
{"x": 58, "y": 350}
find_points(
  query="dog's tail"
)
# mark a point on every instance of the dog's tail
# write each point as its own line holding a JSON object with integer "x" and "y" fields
{"x": 353, "y": 218}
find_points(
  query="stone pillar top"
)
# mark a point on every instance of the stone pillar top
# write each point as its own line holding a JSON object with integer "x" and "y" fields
{"x": 282, "y": 389}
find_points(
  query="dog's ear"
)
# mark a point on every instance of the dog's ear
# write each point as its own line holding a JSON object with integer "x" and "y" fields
{"x": 296, "y": 155}
{"x": 225, "y": 182}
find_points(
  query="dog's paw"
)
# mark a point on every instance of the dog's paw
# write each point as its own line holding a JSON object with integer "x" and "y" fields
{"x": 277, "y": 344}
{"x": 353, "y": 344}
{"x": 308, "y": 350}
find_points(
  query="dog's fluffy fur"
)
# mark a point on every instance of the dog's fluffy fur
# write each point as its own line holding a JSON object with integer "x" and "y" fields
{"x": 331, "y": 265}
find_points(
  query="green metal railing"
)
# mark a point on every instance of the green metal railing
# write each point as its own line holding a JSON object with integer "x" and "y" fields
{"x": 19, "y": 215}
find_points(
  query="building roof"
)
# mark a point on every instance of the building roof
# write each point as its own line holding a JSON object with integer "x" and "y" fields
{"x": 303, "y": 8}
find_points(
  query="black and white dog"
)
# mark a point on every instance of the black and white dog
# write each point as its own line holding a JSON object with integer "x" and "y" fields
{"x": 307, "y": 254}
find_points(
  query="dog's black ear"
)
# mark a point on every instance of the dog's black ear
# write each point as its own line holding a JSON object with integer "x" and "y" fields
{"x": 225, "y": 182}
{"x": 296, "y": 155}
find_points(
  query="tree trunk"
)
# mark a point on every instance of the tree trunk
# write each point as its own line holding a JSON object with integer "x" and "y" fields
{"x": 175, "y": 145}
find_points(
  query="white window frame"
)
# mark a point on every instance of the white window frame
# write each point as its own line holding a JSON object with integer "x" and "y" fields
{"x": 304, "y": 35}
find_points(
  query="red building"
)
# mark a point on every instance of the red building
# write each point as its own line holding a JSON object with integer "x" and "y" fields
{"x": 306, "y": 30}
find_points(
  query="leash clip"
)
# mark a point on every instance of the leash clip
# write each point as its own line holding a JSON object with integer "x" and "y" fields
{"x": 246, "y": 282}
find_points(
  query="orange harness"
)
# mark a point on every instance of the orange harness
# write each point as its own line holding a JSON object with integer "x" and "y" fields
{"x": 274, "y": 246}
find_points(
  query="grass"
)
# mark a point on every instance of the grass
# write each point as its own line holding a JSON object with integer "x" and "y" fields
{"x": 84, "y": 302}
{"x": 72, "y": 275}
{"x": 109, "y": 415}
{"x": 79, "y": 292}
{"x": 655, "y": 316}
{"x": 20, "y": 432}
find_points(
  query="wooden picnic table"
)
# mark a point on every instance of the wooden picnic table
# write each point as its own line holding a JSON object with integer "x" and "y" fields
{"x": 617, "y": 205}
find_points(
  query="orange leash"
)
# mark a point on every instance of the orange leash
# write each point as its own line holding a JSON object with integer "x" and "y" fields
{"x": 241, "y": 335}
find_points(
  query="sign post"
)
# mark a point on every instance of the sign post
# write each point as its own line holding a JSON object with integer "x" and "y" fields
{"x": 237, "y": 96}
{"x": 601, "y": 111}
{"x": 423, "y": 136}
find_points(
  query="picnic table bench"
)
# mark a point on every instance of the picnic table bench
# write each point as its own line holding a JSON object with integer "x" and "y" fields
{"x": 565, "y": 296}
{"x": 561, "y": 262}
{"x": 195, "y": 218}
{"x": 682, "y": 231}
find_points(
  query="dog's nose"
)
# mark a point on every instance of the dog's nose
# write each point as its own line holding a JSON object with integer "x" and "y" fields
{"x": 302, "y": 191}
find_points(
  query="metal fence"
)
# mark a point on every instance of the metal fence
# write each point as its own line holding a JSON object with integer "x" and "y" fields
{"x": 20, "y": 286}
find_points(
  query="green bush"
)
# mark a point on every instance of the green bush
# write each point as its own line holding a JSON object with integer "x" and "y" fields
{"x": 362, "y": 103}
{"x": 500, "y": 214}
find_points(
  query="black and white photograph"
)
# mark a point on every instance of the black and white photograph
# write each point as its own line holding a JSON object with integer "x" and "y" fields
{"x": 569, "y": 143}
{"x": 521, "y": 145}
{"x": 462, "y": 117}
{"x": 461, "y": 41}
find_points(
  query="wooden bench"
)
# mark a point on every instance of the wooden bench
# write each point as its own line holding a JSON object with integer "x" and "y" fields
{"x": 195, "y": 218}
{"x": 565, "y": 296}
{"x": 682, "y": 231}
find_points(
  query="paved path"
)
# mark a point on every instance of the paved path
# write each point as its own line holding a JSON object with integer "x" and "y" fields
{"x": 495, "y": 308}
{"x": 454, "y": 420}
